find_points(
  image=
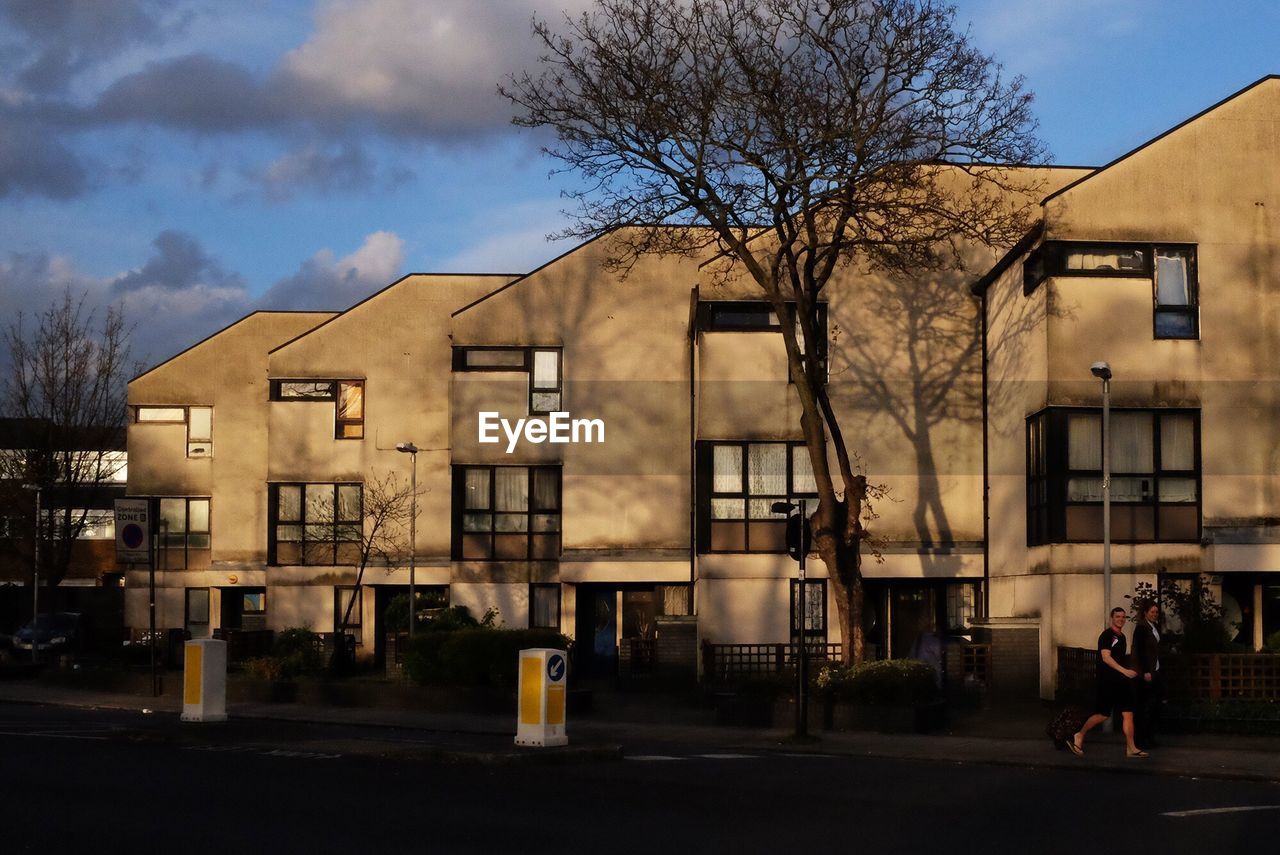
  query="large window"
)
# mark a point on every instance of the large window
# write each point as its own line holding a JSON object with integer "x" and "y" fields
{"x": 506, "y": 513}
{"x": 347, "y": 397}
{"x": 1170, "y": 267}
{"x": 184, "y": 532}
{"x": 738, "y": 482}
{"x": 1155, "y": 476}
{"x": 542, "y": 364}
{"x": 315, "y": 524}
{"x": 199, "y": 422}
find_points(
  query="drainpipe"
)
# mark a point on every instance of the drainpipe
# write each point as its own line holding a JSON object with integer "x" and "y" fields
{"x": 693, "y": 450}
{"x": 986, "y": 473}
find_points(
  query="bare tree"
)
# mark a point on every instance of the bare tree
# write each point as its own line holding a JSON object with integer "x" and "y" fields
{"x": 386, "y": 504}
{"x": 67, "y": 383}
{"x": 797, "y": 135}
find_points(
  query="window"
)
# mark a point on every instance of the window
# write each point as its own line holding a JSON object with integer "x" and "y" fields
{"x": 315, "y": 524}
{"x": 98, "y": 467}
{"x": 759, "y": 316}
{"x": 738, "y": 482}
{"x": 544, "y": 606}
{"x": 348, "y": 602}
{"x": 184, "y": 532}
{"x": 1155, "y": 476}
{"x": 506, "y": 513}
{"x": 197, "y": 611}
{"x": 1170, "y": 267}
{"x": 98, "y": 525}
{"x": 347, "y": 397}
{"x": 815, "y": 609}
{"x": 674, "y": 600}
{"x": 962, "y": 606}
{"x": 199, "y": 422}
{"x": 542, "y": 364}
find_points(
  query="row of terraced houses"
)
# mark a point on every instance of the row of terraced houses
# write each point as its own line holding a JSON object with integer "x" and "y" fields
{"x": 967, "y": 394}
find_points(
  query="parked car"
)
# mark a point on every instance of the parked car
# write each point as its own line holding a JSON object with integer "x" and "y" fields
{"x": 59, "y": 632}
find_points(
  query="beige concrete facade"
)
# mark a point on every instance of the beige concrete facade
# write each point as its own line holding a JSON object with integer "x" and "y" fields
{"x": 1210, "y": 186}
{"x": 642, "y": 522}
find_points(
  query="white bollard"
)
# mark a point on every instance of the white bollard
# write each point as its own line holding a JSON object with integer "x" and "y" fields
{"x": 204, "y": 680}
{"x": 543, "y": 691}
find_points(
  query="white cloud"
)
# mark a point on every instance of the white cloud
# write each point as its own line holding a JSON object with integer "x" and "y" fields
{"x": 325, "y": 283}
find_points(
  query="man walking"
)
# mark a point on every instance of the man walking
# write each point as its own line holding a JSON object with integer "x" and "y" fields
{"x": 1115, "y": 687}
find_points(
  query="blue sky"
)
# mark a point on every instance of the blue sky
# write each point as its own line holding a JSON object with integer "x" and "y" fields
{"x": 203, "y": 158}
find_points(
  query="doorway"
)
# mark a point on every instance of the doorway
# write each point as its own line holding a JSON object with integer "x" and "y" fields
{"x": 596, "y": 629}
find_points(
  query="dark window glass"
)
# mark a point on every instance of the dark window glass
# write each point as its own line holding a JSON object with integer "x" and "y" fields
{"x": 1155, "y": 476}
{"x": 315, "y": 524}
{"x": 506, "y": 513}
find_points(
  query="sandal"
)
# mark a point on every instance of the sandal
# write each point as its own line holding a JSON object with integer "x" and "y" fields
{"x": 1075, "y": 749}
{"x": 1136, "y": 754}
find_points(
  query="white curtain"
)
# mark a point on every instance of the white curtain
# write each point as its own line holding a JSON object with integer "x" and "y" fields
{"x": 1084, "y": 441}
{"x": 1173, "y": 287}
{"x": 727, "y": 469}
{"x": 767, "y": 469}
{"x": 1132, "y": 448}
{"x": 1177, "y": 442}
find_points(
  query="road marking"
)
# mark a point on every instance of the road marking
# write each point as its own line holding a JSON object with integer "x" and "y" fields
{"x": 263, "y": 752}
{"x": 726, "y": 756}
{"x": 653, "y": 757}
{"x": 1209, "y": 811}
{"x": 50, "y": 735}
{"x": 806, "y": 756}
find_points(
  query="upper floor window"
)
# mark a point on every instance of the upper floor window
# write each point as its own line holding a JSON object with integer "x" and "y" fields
{"x": 1155, "y": 476}
{"x": 184, "y": 531}
{"x": 738, "y": 482}
{"x": 199, "y": 422}
{"x": 347, "y": 397}
{"x": 1170, "y": 267}
{"x": 506, "y": 513}
{"x": 542, "y": 364}
{"x": 315, "y": 523}
{"x": 759, "y": 316}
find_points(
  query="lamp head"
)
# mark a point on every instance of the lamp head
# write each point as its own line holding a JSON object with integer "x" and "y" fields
{"x": 1101, "y": 370}
{"x": 407, "y": 448}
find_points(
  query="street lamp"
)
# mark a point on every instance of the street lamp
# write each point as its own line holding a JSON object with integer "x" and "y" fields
{"x": 35, "y": 577}
{"x": 1102, "y": 371}
{"x": 412, "y": 450}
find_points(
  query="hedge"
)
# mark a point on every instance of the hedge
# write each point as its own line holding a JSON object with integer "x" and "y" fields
{"x": 474, "y": 657}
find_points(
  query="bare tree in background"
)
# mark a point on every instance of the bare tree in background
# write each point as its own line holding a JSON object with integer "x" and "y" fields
{"x": 796, "y": 135}
{"x": 67, "y": 384}
{"x": 386, "y": 504}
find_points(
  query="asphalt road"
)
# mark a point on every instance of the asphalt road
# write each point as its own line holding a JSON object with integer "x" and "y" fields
{"x": 92, "y": 782}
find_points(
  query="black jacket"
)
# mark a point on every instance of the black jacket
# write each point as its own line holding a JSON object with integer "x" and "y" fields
{"x": 1146, "y": 650}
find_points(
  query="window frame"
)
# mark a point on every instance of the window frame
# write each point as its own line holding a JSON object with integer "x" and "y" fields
{"x": 193, "y": 444}
{"x": 187, "y": 623}
{"x": 534, "y": 587}
{"x": 528, "y": 354}
{"x": 340, "y": 597}
{"x": 707, "y": 494}
{"x": 459, "y": 543}
{"x": 1049, "y": 474}
{"x": 707, "y": 321}
{"x": 334, "y": 396}
{"x": 819, "y": 634}
{"x": 337, "y": 524}
{"x": 1049, "y": 260}
{"x": 186, "y": 548}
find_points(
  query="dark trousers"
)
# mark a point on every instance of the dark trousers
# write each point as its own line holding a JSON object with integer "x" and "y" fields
{"x": 1146, "y": 713}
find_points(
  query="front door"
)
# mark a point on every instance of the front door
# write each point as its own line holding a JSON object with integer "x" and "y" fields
{"x": 597, "y": 630}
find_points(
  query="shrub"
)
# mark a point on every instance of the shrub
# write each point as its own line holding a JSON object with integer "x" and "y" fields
{"x": 297, "y": 653}
{"x": 1273, "y": 643}
{"x": 474, "y": 656}
{"x": 885, "y": 681}
{"x": 263, "y": 668}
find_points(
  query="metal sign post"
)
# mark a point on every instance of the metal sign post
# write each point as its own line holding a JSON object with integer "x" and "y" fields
{"x": 802, "y": 692}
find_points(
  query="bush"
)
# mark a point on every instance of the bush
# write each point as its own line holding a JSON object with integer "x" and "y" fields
{"x": 1272, "y": 644}
{"x": 297, "y": 653}
{"x": 263, "y": 668}
{"x": 887, "y": 681}
{"x": 474, "y": 656}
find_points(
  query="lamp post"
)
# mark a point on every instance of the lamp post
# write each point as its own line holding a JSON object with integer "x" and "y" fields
{"x": 1102, "y": 371}
{"x": 412, "y": 450}
{"x": 798, "y": 546}
{"x": 35, "y": 577}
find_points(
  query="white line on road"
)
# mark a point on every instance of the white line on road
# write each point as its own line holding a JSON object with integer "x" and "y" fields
{"x": 652, "y": 757}
{"x": 50, "y": 735}
{"x": 1208, "y": 811}
{"x": 726, "y": 756}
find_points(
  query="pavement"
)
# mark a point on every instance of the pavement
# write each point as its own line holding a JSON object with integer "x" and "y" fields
{"x": 641, "y": 726}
